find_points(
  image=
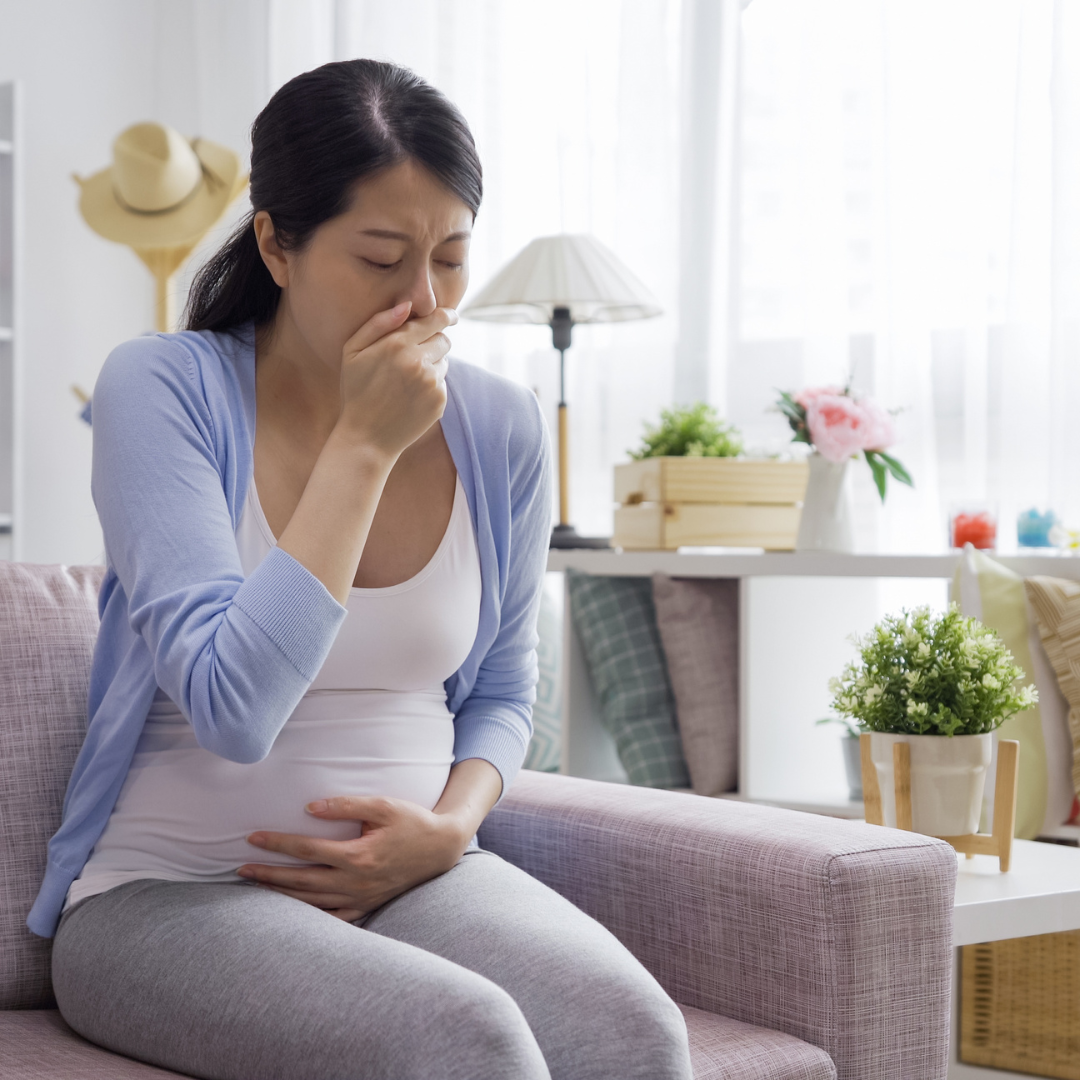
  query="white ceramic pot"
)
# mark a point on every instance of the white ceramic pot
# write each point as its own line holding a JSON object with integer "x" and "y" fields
{"x": 853, "y": 766}
{"x": 948, "y": 774}
{"x": 825, "y": 523}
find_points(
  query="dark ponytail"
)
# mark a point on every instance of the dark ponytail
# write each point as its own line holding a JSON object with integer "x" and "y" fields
{"x": 319, "y": 135}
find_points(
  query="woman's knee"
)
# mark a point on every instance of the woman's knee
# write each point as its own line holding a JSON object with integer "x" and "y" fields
{"x": 631, "y": 1028}
{"x": 486, "y": 1034}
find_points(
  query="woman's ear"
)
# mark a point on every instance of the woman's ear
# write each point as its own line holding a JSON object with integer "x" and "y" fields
{"x": 270, "y": 249}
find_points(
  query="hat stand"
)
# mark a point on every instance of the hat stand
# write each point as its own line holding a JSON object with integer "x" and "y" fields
{"x": 163, "y": 263}
{"x": 998, "y": 842}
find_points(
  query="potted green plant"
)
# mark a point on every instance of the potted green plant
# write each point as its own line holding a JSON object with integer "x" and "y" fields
{"x": 694, "y": 431}
{"x": 943, "y": 684}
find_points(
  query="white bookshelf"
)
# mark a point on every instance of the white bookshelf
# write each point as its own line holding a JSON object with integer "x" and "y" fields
{"x": 796, "y": 613}
{"x": 10, "y": 387}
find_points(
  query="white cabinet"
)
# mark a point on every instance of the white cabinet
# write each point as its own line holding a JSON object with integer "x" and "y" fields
{"x": 797, "y": 612}
{"x": 9, "y": 297}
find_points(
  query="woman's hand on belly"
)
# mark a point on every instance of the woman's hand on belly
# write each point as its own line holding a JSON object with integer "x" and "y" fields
{"x": 401, "y": 845}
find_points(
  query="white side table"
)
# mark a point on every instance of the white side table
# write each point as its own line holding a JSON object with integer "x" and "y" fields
{"x": 1039, "y": 895}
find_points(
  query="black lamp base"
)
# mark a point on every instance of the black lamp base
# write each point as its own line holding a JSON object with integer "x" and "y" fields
{"x": 565, "y": 536}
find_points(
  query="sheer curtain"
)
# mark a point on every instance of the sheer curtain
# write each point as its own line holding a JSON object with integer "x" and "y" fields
{"x": 909, "y": 178}
{"x": 882, "y": 189}
{"x": 585, "y": 115}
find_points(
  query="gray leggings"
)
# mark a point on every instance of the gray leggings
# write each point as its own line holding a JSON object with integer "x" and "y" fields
{"x": 482, "y": 973}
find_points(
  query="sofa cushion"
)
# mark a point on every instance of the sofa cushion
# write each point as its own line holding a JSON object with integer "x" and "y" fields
{"x": 48, "y": 624}
{"x": 723, "y": 1049}
{"x": 616, "y": 622}
{"x": 545, "y": 747}
{"x": 1057, "y": 607}
{"x": 38, "y": 1045}
{"x": 699, "y": 626}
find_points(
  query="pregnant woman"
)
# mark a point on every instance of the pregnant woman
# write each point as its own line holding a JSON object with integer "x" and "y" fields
{"x": 316, "y": 660}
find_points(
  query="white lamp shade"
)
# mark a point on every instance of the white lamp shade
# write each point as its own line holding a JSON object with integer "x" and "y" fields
{"x": 575, "y": 272}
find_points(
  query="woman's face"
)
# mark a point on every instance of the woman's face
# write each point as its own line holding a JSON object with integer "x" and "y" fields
{"x": 404, "y": 237}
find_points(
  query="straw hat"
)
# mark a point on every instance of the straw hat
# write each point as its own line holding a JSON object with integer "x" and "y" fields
{"x": 161, "y": 190}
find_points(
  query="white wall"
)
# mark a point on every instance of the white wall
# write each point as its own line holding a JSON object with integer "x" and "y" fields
{"x": 88, "y": 70}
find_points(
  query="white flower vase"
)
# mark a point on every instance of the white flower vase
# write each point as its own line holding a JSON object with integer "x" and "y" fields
{"x": 948, "y": 774}
{"x": 825, "y": 523}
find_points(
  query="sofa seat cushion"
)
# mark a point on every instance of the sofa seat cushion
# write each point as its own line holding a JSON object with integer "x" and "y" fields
{"x": 723, "y": 1049}
{"x": 38, "y": 1045}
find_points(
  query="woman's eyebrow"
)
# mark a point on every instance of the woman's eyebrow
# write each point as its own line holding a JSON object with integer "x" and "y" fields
{"x": 387, "y": 234}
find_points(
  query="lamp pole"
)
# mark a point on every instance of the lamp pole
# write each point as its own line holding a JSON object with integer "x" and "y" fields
{"x": 564, "y": 535}
{"x": 561, "y": 327}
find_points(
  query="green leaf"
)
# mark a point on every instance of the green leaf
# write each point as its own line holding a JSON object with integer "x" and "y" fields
{"x": 877, "y": 467}
{"x": 896, "y": 468}
{"x": 795, "y": 415}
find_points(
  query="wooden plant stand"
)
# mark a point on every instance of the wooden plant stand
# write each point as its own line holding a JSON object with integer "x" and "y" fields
{"x": 998, "y": 842}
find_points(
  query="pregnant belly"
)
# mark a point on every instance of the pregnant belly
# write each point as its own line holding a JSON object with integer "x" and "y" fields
{"x": 186, "y": 811}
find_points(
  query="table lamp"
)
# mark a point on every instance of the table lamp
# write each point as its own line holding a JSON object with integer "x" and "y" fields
{"x": 563, "y": 280}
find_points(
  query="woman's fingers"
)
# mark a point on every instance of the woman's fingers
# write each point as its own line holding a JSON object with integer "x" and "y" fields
{"x": 411, "y": 331}
{"x": 378, "y": 326}
{"x": 374, "y": 808}
{"x": 345, "y": 914}
{"x": 327, "y": 901}
{"x": 309, "y": 849}
{"x": 292, "y": 877}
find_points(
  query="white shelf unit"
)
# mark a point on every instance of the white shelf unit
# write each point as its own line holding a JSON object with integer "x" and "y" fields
{"x": 10, "y": 387}
{"x": 796, "y": 614}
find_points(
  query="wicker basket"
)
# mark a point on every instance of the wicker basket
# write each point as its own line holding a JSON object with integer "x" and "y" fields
{"x": 1020, "y": 1005}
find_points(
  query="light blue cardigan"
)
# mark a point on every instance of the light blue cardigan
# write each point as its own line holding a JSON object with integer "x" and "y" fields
{"x": 174, "y": 417}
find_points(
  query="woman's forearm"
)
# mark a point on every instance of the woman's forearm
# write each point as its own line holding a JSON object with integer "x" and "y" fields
{"x": 330, "y": 526}
{"x": 472, "y": 790}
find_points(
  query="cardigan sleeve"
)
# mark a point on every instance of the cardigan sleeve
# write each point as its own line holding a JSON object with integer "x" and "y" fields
{"x": 235, "y": 654}
{"x": 495, "y": 720}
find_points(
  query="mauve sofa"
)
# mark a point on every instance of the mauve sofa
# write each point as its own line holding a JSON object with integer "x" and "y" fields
{"x": 799, "y": 947}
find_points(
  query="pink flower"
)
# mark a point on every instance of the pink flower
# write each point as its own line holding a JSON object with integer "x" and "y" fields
{"x": 880, "y": 430}
{"x": 804, "y": 397}
{"x": 838, "y": 424}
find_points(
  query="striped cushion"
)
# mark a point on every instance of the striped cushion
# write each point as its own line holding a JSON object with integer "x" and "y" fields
{"x": 544, "y": 747}
{"x": 1056, "y": 603}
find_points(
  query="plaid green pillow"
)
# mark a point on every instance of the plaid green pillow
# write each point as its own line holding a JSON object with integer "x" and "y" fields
{"x": 616, "y": 622}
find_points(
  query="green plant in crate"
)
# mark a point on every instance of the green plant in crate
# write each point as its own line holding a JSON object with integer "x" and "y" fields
{"x": 924, "y": 674}
{"x": 695, "y": 431}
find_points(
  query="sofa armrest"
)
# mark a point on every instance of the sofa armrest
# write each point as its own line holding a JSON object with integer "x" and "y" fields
{"x": 834, "y": 931}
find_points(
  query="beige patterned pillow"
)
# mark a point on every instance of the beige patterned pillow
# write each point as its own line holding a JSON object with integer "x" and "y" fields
{"x": 699, "y": 627}
{"x": 1056, "y": 603}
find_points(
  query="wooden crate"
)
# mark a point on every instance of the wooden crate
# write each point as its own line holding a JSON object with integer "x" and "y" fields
{"x": 670, "y": 502}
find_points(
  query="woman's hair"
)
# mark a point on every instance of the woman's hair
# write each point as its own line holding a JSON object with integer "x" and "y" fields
{"x": 319, "y": 135}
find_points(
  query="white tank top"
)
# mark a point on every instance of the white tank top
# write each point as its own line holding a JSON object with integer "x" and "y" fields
{"x": 374, "y": 722}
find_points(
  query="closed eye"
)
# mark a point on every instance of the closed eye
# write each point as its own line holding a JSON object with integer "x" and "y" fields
{"x": 382, "y": 266}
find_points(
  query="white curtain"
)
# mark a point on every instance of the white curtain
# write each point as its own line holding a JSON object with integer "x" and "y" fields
{"x": 580, "y": 112}
{"x": 910, "y": 212}
{"x": 886, "y": 189}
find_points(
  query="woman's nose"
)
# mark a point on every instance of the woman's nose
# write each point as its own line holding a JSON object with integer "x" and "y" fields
{"x": 421, "y": 293}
